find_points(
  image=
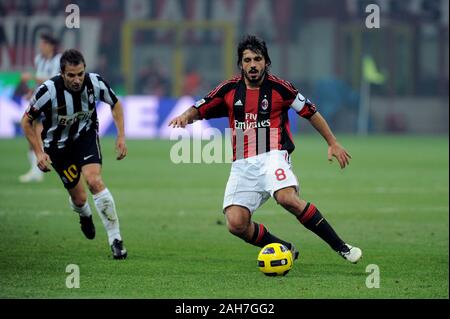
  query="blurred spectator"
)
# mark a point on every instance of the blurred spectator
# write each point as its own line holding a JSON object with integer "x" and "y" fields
{"x": 153, "y": 79}
{"x": 104, "y": 68}
{"x": 47, "y": 65}
{"x": 192, "y": 81}
{"x": 112, "y": 7}
{"x": 332, "y": 95}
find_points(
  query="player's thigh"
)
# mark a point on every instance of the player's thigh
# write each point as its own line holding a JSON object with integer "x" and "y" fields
{"x": 66, "y": 166}
{"x": 87, "y": 149}
{"x": 278, "y": 173}
{"x": 243, "y": 187}
{"x": 251, "y": 201}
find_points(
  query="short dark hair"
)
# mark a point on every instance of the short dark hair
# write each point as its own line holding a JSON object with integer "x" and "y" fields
{"x": 255, "y": 44}
{"x": 47, "y": 37}
{"x": 71, "y": 56}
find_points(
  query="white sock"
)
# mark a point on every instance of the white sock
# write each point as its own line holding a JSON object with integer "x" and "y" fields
{"x": 84, "y": 210}
{"x": 106, "y": 208}
{"x": 33, "y": 163}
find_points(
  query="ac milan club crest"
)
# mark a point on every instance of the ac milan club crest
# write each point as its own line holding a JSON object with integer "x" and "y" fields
{"x": 264, "y": 104}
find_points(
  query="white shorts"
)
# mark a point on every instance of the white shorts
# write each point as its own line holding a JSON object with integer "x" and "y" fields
{"x": 253, "y": 180}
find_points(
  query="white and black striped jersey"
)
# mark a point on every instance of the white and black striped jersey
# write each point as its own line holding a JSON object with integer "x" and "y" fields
{"x": 46, "y": 68}
{"x": 67, "y": 114}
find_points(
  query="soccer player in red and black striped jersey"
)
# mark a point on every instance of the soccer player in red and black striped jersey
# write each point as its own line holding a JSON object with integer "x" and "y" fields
{"x": 257, "y": 104}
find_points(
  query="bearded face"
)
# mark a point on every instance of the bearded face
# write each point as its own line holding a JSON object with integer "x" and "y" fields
{"x": 253, "y": 67}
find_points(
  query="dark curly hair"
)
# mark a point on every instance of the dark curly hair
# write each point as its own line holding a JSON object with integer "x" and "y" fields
{"x": 255, "y": 44}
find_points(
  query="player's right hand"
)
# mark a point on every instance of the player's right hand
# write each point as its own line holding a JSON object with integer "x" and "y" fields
{"x": 179, "y": 121}
{"x": 43, "y": 161}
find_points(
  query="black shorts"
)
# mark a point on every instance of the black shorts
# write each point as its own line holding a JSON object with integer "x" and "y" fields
{"x": 68, "y": 161}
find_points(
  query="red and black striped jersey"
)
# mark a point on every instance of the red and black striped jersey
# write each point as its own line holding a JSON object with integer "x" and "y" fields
{"x": 258, "y": 117}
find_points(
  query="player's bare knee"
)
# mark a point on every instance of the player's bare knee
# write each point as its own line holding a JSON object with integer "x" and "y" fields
{"x": 95, "y": 183}
{"x": 236, "y": 225}
{"x": 238, "y": 220}
{"x": 79, "y": 199}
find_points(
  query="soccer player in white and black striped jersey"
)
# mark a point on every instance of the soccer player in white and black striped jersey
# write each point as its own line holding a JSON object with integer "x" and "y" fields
{"x": 71, "y": 143}
{"x": 46, "y": 64}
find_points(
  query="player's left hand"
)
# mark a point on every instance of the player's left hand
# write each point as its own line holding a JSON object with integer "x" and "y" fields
{"x": 121, "y": 148}
{"x": 340, "y": 153}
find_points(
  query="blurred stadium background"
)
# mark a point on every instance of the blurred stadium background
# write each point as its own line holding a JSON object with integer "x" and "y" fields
{"x": 169, "y": 49}
{"x": 384, "y": 91}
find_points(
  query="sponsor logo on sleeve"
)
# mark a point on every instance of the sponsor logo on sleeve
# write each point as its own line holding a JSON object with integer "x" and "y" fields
{"x": 199, "y": 103}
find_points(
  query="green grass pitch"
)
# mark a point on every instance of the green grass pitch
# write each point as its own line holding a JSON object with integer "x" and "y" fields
{"x": 392, "y": 201}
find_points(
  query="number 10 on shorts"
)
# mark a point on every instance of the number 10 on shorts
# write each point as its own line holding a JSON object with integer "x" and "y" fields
{"x": 71, "y": 172}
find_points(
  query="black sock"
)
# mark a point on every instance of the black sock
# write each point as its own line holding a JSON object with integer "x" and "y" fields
{"x": 312, "y": 219}
{"x": 262, "y": 237}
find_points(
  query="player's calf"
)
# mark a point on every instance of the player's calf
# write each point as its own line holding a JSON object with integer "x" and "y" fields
{"x": 87, "y": 225}
{"x": 288, "y": 198}
{"x": 313, "y": 220}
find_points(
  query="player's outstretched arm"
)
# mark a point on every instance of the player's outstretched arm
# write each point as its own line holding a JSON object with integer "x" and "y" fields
{"x": 43, "y": 160}
{"x": 121, "y": 147}
{"x": 188, "y": 117}
{"x": 334, "y": 148}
